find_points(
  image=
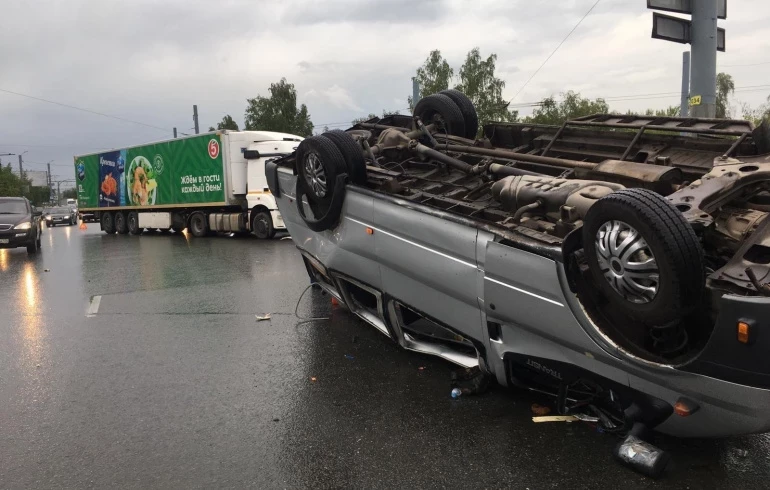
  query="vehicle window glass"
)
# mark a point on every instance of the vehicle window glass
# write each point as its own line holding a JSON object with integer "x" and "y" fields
{"x": 13, "y": 207}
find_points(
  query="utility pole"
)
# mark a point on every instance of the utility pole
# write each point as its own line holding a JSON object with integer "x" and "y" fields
{"x": 684, "y": 106}
{"x": 704, "y": 57}
{"x": 50, "y": 188}
{"x": 174, "y": 132}
{"x": 195, "y": 119}
{"x": 21, "y": 176}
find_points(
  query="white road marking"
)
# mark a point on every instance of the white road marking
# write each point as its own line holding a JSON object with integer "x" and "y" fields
{"x": 93, "y": 308}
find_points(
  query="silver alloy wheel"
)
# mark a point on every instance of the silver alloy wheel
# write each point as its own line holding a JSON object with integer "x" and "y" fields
{"x": 627, "y": 262}
{"x": 315, "y": 174}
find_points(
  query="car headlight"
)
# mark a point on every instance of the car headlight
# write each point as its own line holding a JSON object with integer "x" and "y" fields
{"x": 23, "y": 226}
{"x": 47, "y": 216}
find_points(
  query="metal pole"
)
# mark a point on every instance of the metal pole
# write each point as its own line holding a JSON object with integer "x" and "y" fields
{"x": 195, "y": 117}
{"x": 21, "y": 176}
{"x": 684, "y": 106}
{"x": 58, "y": 193}
{"x": 174, "y": 132}
{"x": 704, "y": 57}
{"x": 415, "y": 91}
{"x": 49, "y": 182}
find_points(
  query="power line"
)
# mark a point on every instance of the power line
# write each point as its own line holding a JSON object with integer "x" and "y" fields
{"x": 165, "y": 130}
{"x": 556, "y": 49}
{"x": 746, "y": 64}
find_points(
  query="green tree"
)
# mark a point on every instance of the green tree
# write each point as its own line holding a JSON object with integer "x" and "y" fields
{"x": 434, "y": 75}
{"x": 573, "y": 105}
{"x": 278, "y": 112}
{"x": 70, "y": 193}
{"x": 479, "y": 83}
{"x": 10, "y": 183}
{"x": 725, "y": 87}
{"x": 227, "y": 122}
{"x": 757, "y": 116}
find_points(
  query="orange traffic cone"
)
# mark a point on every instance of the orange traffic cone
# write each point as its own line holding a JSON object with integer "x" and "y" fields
{"x": 83, "y": 225}
{"x": 335, "y": 302}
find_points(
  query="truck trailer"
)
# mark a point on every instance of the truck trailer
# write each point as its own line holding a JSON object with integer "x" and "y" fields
{"x": 208, "y": 183}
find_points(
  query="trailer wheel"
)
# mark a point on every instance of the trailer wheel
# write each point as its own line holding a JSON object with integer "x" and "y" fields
{"x": 470, "y": 117}
{"x": 262, "y": 225}
{"x": 198, "y": 225}
{"x": 120, "y": 223}
{"x": 644, "y": 256}
{"x": 133, "y": 223}
{"x": 351, "y": 152}
{"x": 108, "y": 223}
{"x": 441, "y": 110}
{"x": 319, "y": 162}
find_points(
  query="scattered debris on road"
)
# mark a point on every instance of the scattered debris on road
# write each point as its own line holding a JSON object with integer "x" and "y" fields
{"x": 540, "y": 410}
{"x": 266, "y": 316}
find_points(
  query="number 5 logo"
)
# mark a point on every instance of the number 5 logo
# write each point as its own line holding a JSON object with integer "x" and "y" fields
{"x": 213, "y": 148}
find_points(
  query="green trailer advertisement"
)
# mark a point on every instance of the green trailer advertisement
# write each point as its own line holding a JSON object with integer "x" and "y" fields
{"x": 175, "y": 173}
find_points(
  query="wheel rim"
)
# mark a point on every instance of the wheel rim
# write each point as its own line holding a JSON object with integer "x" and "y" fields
{"x": 627, "y": 262}
{"x": 260, "y": 226}
{"x": 315, "y": 174}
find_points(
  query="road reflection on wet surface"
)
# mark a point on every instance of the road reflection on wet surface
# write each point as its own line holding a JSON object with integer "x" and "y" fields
{"x": 173, "y": 383}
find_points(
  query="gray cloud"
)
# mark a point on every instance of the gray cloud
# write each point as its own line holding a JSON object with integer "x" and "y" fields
{"x": 342, "y": 11}
{"x": 151, "y": 61}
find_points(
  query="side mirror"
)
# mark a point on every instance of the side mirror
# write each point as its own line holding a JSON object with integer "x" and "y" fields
{"x": 251, "y": 154}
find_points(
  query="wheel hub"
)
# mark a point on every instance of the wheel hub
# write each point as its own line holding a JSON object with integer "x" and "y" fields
{"x": 315, "y": 175}
{"x": 627, "y": 262}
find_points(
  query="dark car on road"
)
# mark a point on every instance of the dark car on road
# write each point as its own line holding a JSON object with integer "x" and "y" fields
{"x": 60, "y": 216}
{"x": 19, "y": 224}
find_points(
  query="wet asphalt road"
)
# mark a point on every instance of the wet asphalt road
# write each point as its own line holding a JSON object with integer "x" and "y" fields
{"x": 174, "y": 384}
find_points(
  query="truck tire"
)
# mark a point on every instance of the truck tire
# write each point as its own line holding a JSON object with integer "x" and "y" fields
{"x": 319, "y": 162}
{"x": 644, "y": 256}
{"x": 199, "y": 226}
{"x": 351, "y": 152}
{"x": 108, "y": 223}
{"x": 262, "y": 225}
{"x": 470, "y": 117}
{"x": 120, "y": 223}
{"x": 133, "y": 223}
{"x": 441, "y": 110}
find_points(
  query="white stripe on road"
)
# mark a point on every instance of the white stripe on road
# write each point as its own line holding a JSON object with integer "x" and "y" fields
{"x": 93, "y": 308}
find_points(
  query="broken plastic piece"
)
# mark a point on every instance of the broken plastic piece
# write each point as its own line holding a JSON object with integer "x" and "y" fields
{"x": 335, "y": 302}
{"x": 313, "y": 379}
{"x": 642, "y": 456}
{"x": 586, "y": 418}
{"x": 555, "y": 418}
{"x": 457, "y": 393}
{"x": 263, "y": 318}
{"x": 348, "y": 356}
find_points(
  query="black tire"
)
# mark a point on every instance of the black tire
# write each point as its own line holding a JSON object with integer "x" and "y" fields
{"x": 199, "y": 226}
{"x": 120, "y": 223}
{"x": 319, "y": 177}
{"x": 470, "y": 117}
{"x": 262, "y": 225}
{"x": 69, "y": 222}
{"x": 440, "y": 109}
{"x": 351, "y": 152}
{"x": 133, "y": 223}
{"x": 671, "y": 240}
{"x": 108, "y": 223}
{"x": 33, "y": 247}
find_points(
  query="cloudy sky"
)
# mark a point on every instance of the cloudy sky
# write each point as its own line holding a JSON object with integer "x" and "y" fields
{"x": 150, "y": 61}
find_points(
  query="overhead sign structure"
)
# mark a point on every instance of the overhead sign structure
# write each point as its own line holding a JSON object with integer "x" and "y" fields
{"x": 678, "y": 30}
{"x": 684, "y": 6}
